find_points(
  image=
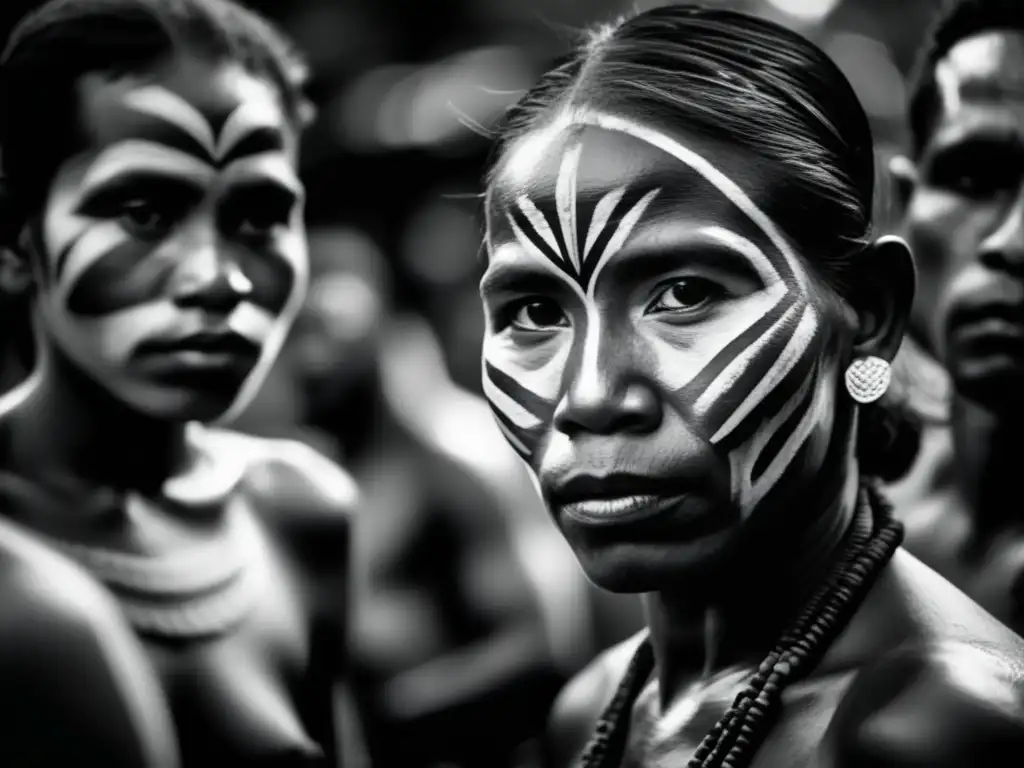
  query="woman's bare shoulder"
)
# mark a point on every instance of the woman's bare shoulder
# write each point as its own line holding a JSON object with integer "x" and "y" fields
{"x": 578, "y": 707}
{"x": 945, "y": 695}
{"x": 951, "y": 704}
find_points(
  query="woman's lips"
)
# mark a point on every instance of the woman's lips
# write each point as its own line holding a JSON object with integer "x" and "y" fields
{"x": 619, "y": 509}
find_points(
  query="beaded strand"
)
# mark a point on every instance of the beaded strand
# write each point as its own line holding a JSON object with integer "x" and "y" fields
{"x": 735, "y": 738}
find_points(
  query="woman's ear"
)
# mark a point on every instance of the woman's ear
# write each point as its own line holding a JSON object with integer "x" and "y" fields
{"x": 884, "y": 281}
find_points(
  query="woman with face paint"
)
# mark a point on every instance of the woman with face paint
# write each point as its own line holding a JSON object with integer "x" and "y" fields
{"x": 171, "y": 593}
{"x": 689, "y": 329}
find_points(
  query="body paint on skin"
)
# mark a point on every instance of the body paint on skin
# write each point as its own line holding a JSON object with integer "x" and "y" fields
{"x": 756, "y": 380}
{"x": 107, "y": 290}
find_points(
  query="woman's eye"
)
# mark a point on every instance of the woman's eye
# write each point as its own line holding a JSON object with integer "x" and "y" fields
{"x": 538, "y": 315}
{"x": 686, "y": 295}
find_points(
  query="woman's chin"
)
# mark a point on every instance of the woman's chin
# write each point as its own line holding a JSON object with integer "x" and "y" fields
{"x": 633, "y": 567}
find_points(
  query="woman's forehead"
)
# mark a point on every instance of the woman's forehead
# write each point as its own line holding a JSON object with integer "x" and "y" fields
{"x": 609, "y": 159}
{"x": 580, "y": 173}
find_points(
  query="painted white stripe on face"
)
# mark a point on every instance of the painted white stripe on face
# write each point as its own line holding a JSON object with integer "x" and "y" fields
{"x": 527, "y": 245}
{"x": 295, "y": 246}
{"x": 728, "y": 188}
{"x": 539, "y": 224}
{"x": 543, "y": 376}
{"x": 99, "y": 239}
{"x": 622, "y": 232}
{"x": 703, "y": 345}
{"x": 602, "y": 212}
{"x": 948, "y": 82}
{"x": 248, "y": 118}
{"x": 543, "y": 381}
{"x": 115, "y": 336}
{"x": 766, "y": 271}
{"x": 789, "y": 357}
{"x": 742, "y": 460}
{"x": 738, "y": 366}
{"x": 512, "y": 410}
{"x": 251, "y": 321}
{"x": 138, "y": 155}
{"x": 514, "y": 441}
{"x": 272, "y": 165}
{"x": 159, "y": 102}
{"x": 565, "y": 201}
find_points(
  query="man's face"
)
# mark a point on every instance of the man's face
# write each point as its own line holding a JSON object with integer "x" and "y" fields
{"x": 655, "y": 350}
{"x": 172, "y": 254}
{"x": 965, "y": 220}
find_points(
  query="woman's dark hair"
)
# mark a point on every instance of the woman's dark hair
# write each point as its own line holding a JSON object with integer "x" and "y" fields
{"x": 53, "y": 47}
{"x": 732, "y": 77}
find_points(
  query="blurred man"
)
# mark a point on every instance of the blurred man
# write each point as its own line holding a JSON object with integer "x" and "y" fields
{"x": 963, "y": 191}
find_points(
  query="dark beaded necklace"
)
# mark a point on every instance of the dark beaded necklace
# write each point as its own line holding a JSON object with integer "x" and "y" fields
{"x": 734, "y": 739}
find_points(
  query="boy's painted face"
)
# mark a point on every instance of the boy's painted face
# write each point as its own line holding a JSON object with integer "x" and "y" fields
{"x": 655, "y": 350}
{"x": 173, "y": 247}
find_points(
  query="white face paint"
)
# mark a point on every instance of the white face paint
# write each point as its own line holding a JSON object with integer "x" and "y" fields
{"x": 183, "y": 217}
{"x": 598, "y": 230}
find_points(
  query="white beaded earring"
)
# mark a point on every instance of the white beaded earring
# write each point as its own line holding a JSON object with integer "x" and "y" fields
{"x": 867, "y": 378}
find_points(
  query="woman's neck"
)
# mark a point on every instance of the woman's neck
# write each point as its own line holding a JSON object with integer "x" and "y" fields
{"x": 986, "y": 447}
{"x": 71, "y": 430}
{"x": 741, "y": 621}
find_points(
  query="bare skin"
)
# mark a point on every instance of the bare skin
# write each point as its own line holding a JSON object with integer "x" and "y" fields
{"x": 869, "y": 700}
